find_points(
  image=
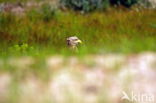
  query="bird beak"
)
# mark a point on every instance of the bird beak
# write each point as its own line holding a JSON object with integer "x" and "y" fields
{"x": 79, "y": 41}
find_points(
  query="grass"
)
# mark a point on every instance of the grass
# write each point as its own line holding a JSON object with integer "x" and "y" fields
{"x": 44, "y": 32}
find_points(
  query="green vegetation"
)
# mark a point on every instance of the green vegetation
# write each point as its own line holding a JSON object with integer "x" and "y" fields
{"x": 44, "y": 31}
{"x": 86, "y": 5}
{"x": 28, "y": 41}
{"x": 90, "y": 5}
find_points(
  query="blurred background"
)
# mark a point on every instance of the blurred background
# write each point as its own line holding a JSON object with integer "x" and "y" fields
{"x": 117, "y": 56}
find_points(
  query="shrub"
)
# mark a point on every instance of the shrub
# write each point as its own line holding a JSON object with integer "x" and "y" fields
{"x": 90, "y": 5}
{"x": 85, "y": 5}
{"x": 126, "y": 3}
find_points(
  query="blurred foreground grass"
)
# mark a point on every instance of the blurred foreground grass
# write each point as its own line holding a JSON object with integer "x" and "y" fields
{"x": 91, "y": 79}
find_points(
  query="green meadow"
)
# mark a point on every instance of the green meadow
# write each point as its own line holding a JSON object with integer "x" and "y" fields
{"x": 44, "y": 31}
{"x": 117, "y": 53}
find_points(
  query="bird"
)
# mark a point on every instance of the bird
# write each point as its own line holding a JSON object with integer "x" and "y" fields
{"x": 73, "y": 42}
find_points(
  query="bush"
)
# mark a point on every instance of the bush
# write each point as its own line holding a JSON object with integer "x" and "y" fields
{"x": 85, "y": 5}
{"x": 90, "y": 5}
{"x": 126, "y": 3}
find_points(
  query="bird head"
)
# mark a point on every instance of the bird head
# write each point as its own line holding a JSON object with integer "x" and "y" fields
{"x": 73, "y": 41}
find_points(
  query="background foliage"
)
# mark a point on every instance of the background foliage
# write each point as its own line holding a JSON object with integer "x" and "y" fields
{"x": 89, "y": 5}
